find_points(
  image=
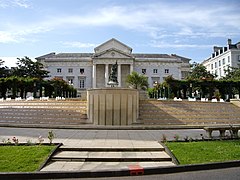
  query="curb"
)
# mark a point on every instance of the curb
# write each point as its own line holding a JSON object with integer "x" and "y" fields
{"x": 94, "y": 127}
{"x": 123, "y": 172}
{"x": 54, "y": 151}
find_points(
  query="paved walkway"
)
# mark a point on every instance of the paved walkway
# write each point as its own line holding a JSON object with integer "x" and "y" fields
{"x": 95, "y": 150}
{"x": 90, "y": 138}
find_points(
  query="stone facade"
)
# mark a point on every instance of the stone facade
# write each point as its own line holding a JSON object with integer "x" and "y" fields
{"x": 91, "y": 70}
{"x": 222, "y": 58}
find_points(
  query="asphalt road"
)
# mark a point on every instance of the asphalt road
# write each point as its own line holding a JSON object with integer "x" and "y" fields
{"x": 217, "y": 174}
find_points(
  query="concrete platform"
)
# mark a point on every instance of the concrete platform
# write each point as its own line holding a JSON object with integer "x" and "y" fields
{"x": 98, "y": 166}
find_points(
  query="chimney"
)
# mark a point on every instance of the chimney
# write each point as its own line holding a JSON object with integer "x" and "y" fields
{"x": 229, "y": 41}
{"x": 215, "y": 48}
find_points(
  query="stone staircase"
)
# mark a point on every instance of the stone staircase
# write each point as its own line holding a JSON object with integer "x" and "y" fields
{"x": 154, "y": 112}
{"x": 43, "y": 112}
{"x": 151, "y": 112}
{"x": 106, "y": 158}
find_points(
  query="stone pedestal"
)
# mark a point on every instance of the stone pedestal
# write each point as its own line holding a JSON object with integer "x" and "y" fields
{"x": 113, "y": 106}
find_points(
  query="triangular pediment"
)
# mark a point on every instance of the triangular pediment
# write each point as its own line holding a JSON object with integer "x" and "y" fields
{"x": 112, "y": 53}
{"x": 113, "y": 44}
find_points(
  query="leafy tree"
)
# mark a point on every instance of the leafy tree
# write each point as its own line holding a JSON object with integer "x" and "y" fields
{"x": 232, "y": 73}
{"x": 28, "y": 68}
{"x": 1, "y": 62}
{"x": 4, "y": 71}
{"x": 61, "y": 88}
{"x": 137, "y": 81}
{"x": 199, "y": 72}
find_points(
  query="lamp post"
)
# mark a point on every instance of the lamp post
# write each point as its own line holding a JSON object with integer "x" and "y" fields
{"x": 154, "y": 93}
{"x": 164, "y": 90}
{"x": 70, "y": 93}
{"x": 34, "y": 89}
{"x": 190, "y": 90}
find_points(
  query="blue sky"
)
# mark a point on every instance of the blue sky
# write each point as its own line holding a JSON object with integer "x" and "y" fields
{"x": 188, "y": 28}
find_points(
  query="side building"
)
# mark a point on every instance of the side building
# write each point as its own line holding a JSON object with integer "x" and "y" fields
{"x": 222, "y": 58}
{"x": 91, "y": 70}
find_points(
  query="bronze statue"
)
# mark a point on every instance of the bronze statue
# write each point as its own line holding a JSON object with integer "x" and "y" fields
{"x": 113, "y": 75}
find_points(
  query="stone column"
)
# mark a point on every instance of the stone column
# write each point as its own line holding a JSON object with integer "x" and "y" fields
{"x": 106, "y": 74}
{"x": 119, "y": 75}
{"x": 94, "y": 76}
{"x": 131, "y": 68}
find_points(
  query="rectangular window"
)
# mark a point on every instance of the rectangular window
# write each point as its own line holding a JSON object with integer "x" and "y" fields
{"x": 220, "y": 72}
{"x": 228, "y": 59}
{"x": 223, "y": 61}
{"x": 219, "y": 62}
{"x": 238, "y": 57}
{"x": 211, "y": 66}
{"x": 166, "y": 71}
{"x": 215, "y": 64}
{"x": 81, "y": 71}
{"x": 59, "y": 70}
{"x": 155, "y": 71}
{"x": 81, "y": 83}
{"x": 144, "y": 71}
{"x": 70, "y": 70}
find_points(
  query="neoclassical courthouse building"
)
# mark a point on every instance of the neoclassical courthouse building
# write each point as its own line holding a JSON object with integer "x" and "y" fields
{"x": 91, "y": 70}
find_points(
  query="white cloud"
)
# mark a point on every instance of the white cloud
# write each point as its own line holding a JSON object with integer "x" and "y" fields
{"x": 6, "y": 37}
{"x": 158, "y": 20}
{"x": 76, "y": 44}
{"x": 14, "y": 3}
{"x": 177, "y": 45}
{"x": 9, "y": 61}
{"x": 21, "y": 3}
{"x": 19, "y": 34}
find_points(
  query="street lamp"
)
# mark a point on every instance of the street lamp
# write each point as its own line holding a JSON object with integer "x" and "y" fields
{"x": 154, "y": 93}
{"x": 164, "y": 90}
{"x": 190, "y": 90}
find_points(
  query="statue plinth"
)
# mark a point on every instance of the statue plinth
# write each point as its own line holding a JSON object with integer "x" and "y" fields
{"x": 112, "y": 83}
{"x": 113, "y": 106}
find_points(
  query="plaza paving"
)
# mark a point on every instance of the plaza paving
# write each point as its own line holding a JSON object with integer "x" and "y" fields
{"x": 95, "y": 150}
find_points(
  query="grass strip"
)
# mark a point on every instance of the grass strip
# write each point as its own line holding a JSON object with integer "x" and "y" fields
{"x": 23, "y": 158}
{"x": 205, "y": 151}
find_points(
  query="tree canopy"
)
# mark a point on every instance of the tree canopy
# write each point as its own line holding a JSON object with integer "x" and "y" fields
{"x": 28, "y": 68}
{"x": 4, "y": 71}
{"x": 199, "y": 72}
{"x": 137, "y": 80}
{"x": 232, "y": 74}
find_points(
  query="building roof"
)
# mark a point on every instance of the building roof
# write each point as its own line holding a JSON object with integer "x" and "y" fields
{"x": 181, "y": 57}
{"x": 152, "y": 56}
{"x": 73, "y": 55}
{"x": 137, "y": 56}
{"x": 46, "y": 56}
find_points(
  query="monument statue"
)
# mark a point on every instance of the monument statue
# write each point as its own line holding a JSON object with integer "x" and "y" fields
{"x": 113, "y": 75}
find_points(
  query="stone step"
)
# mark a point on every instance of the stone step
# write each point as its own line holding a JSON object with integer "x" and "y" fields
{"x": 111, "y": 156}
{"x": 113, "y": 149}
{"x": 98, "y": 166}
{"x": 170, "y": 112}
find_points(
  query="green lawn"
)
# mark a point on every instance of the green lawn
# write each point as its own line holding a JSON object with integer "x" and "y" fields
{"x": 23, "y": 158}
{"x": 205, "y": 151}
